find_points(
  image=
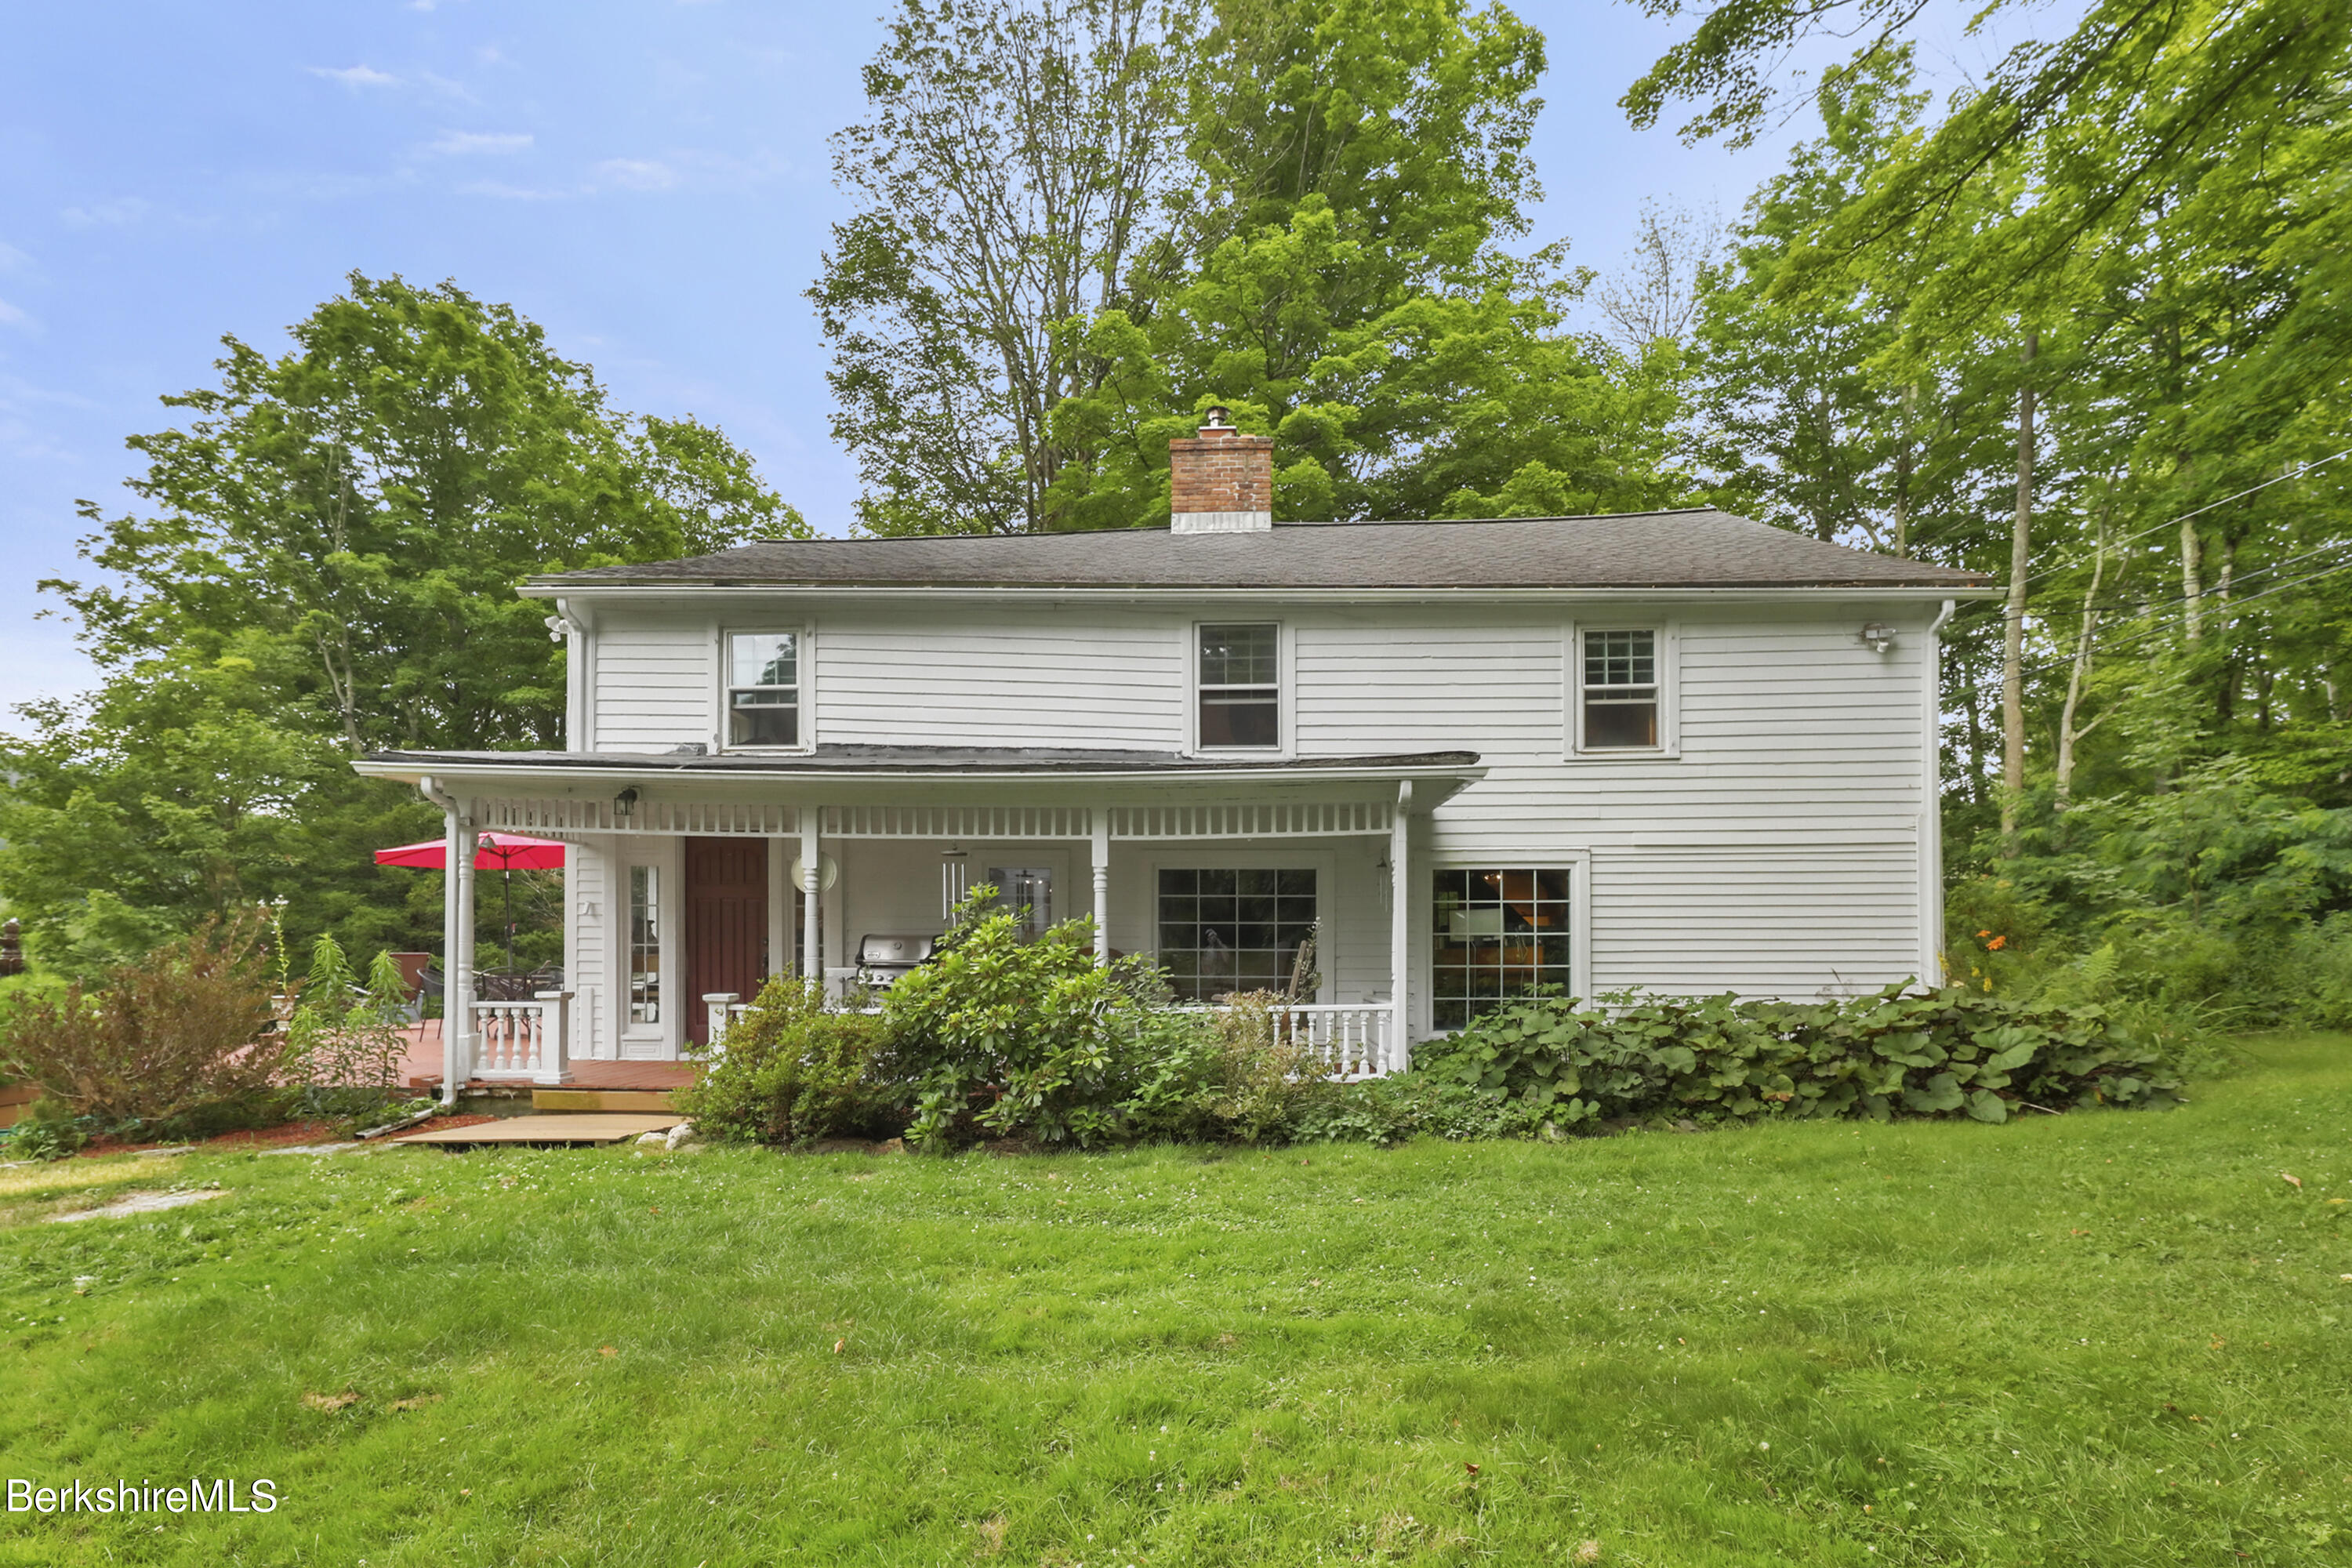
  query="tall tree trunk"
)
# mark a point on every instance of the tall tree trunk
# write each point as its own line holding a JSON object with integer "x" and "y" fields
{"x": 2012, "y": 646}
{"x": 2193, "y": 588}
{"x": 2081, "y": 673}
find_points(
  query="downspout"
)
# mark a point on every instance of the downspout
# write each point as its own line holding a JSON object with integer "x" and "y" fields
{"x": 430, "y": 788}
{"x": 1931, "y": 807}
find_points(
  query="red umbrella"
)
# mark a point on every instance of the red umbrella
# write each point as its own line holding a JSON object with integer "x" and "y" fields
{"x": 503, "y": 852}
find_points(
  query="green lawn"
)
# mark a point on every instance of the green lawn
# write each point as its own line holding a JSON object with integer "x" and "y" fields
{"x": 2111, "y": 1338}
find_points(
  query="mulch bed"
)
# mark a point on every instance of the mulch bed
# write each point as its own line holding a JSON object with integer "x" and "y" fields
{"x": 293, "y": 1132}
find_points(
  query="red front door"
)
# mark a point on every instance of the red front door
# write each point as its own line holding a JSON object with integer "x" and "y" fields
{"x": 726, "y": 923}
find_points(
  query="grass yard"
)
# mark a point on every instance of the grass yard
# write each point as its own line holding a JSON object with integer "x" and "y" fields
{"x": 2112, "y": 1338}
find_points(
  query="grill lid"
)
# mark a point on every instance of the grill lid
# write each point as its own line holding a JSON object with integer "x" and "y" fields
{"x": 894, "y": 950}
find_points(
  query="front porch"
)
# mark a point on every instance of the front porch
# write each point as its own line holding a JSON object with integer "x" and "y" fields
{"x": 692, "y": 880}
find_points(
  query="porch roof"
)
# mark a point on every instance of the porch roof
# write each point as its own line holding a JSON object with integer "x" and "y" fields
{"x": 913, "y": 762}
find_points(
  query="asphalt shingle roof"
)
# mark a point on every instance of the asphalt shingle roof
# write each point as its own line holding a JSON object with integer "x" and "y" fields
{"x": 1700, "y": 548}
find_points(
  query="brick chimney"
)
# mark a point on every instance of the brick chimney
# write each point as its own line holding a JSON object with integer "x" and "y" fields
{"x": 1221, "y": 481}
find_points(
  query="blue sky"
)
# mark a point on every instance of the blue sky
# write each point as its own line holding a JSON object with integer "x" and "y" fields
{"x": 648, "y": 181}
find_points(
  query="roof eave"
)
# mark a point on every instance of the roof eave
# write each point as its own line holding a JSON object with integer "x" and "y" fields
{"x": 671, "y": 587}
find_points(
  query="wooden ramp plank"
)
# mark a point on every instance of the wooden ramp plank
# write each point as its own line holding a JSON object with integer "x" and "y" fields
{"x": 595, "y": 1127}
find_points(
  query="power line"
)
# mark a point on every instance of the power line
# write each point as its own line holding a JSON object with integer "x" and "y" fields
{"x": 2063, "y": 660}
{"x": 2200, "y": 511}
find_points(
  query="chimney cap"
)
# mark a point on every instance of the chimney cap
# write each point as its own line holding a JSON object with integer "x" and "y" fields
{"x": 1219, "y": 418}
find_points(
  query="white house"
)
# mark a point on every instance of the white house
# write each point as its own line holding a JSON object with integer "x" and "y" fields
{"x": 1679, "y": 751}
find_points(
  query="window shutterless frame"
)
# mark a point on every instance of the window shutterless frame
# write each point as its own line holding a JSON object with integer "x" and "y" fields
{"x": 1493, "y": 926}
{"x": 764, "y": 690}
{"x": 1620, "y": 684}
{"x": 1237, "y": 679}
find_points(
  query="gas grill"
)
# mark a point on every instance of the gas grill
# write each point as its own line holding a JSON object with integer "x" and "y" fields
{"x": 884, "y": 959}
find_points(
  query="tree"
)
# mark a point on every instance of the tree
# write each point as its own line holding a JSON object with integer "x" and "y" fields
{"x": 1361, "y": 169}
{"x": 1655, "y": 295}
{"x": 1018, "y": 170}
{"x": 329, "y": 566}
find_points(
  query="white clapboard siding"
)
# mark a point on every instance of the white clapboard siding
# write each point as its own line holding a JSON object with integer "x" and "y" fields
{"x": 1060, "y": 676}
{"x": 588, "y": 956}
{"x": 655, "y": 684}
{"x": 1797, "y": 922}
{"x": 1778, "y": 853}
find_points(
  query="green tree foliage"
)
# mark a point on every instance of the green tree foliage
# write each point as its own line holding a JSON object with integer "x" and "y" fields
{"x": 1313, "y": 229}
{"x": 1016, "y": 172}
{"x": 2153, "y": 204}
{"x": 326, "y": 565}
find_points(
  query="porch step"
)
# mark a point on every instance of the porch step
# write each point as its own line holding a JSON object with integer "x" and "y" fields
{"x": 604, "y": 1129}
{"x": 578, "y": 1099}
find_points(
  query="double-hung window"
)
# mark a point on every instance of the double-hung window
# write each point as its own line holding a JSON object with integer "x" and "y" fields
{"x": 1619, "y": 690}
{"x": 763, "y": 689}
{"x": 1241, "y": 686}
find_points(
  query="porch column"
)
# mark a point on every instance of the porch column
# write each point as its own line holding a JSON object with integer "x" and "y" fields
{"x": 452, "y": 1049}
{"x": 1399, "y": 1051}
{"x": 1102, "y": 886}
{"x": 812, "y": 873}
{"x": 458, "y": 996}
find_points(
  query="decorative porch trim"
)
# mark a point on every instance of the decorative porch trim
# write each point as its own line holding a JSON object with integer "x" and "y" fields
{"x": 664, "y": 818}
{"x": 1236, "y": 819}
{"x": 1246, "y": 819}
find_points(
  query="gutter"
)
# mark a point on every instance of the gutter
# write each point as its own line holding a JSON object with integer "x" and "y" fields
{"x": 670, "y": 589}
{"x": 820, "y": 779}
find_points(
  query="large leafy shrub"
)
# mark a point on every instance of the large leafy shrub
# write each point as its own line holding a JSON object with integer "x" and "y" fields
{"x": 1007, "y": 1034}
{"x": 1950, "y": 1052}
{"x": 792, "y": 1071}
{"x": 1244, "y": 1073}
{"x": 344, "y": 1044}
{"x": 189, "y": 1026}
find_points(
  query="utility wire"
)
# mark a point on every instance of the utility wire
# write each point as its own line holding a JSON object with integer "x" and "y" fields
{"x": 2063, "y": 660}
{"x": 2200, "y": 511}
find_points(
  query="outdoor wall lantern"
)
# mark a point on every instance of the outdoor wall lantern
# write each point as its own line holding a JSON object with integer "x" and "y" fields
{"x": 624, "y": 804}
{"x": 1878, "y": 635}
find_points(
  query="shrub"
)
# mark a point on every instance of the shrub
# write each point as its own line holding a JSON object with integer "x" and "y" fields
{"x": 186, "y": 1027}
{"x": 1949, "y": 1052}
{"x": 344, "y": 1045}
{"x": 1006, "y": 1034}
{"x": 49, "y": 1131}
{"x": 793, "y": 1072}
{"x": 1243, "y": 1073}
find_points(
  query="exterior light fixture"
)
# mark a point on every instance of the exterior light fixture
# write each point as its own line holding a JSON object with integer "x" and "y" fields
{"x": 624, "y": 804}
{"x": 1878, "y": 636}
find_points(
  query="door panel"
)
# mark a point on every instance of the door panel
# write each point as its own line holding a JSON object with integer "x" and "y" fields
{"x": 726, "y": 923}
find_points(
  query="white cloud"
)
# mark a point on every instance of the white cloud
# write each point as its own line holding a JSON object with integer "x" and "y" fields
{"x": 504, "y": 192}
{"x": 636, "y": 174}
{"x": 121, "y": 210}
{"x": 355, "y": 76}
{"x": 13, "y": 259}
{"x": 12, "y": 317}
{"x": 461, "y": 144}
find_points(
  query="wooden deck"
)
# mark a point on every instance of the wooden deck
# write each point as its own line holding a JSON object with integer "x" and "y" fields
{"x": 574, "y": 1127}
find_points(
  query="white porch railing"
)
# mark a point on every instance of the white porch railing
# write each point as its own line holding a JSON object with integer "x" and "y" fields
{"x": 1351, "y": 1039}
{"x": 528, "y": 1042}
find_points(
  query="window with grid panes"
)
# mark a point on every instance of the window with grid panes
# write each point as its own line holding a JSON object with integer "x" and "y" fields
{"x": 1498, "y": 933}
{"x": 1224, "y": 931}
{"x": 1240, "y": 687}
{"x": 764, "y": 690}
{"x": 1621, "y": 689}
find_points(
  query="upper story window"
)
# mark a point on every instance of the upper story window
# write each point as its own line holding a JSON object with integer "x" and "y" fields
{"x": 1241, "y": 686}
{"x": 1619, "y": 690}
{"x": 763, "y": 689}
